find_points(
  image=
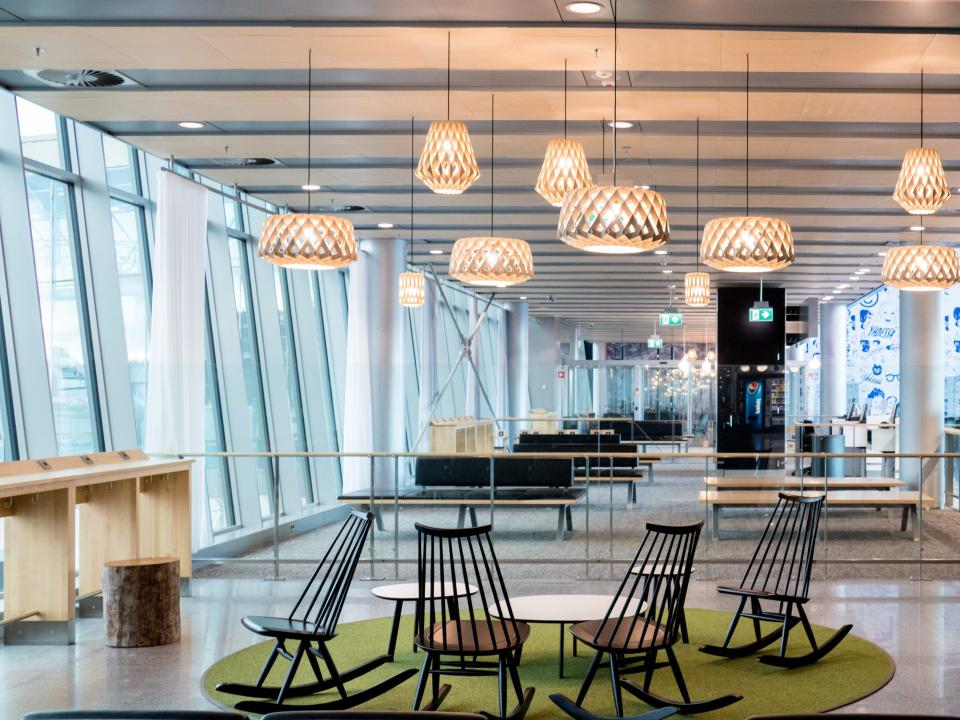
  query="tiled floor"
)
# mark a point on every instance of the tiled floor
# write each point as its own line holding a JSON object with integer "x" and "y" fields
{"x": 918, "y": 623}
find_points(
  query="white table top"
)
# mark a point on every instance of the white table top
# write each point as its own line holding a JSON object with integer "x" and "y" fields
{"x": 561, "y": 608}
{"x": 409, "y": 591}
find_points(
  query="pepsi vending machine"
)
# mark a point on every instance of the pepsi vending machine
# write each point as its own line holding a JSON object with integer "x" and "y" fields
{"x": 751, "y": 412}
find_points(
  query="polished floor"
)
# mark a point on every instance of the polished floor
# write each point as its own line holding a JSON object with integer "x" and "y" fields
{"x": 918, "y": 623}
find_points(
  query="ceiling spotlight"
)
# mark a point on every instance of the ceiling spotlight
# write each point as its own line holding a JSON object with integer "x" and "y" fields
{"x": 385, "y": 226}
{"x": 190, "y": 125}
{"x": 523, "y": 297}
{"x": 644, "y": 187}
{"x": 310, "y": 187}
{"x": 668, "y": 272}
{"x": 882, "y": 253}
{"x": 436, "y": 252}
{"x": 863, "y": 271}
{"x": 622, "y": 125}
{"x": 584, "y": 8}
{"x": 827, "y": 297}
{"x": 659, "y": 252}
{"x": 917, "y": 228}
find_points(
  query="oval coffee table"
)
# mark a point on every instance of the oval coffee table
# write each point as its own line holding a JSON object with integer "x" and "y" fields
{"x": 404, "y": 592}
{"x": 561, "y": 610}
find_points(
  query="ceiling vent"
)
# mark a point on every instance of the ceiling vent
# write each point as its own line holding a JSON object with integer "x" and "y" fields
{"x": 92, "y": 79}
{"x": 245, "y": 162}
{"x": 342, "y": 209}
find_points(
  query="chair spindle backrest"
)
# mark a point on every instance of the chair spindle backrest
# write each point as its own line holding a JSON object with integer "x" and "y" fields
{"x": 323, "y": 596}
{"x": 783, "y": 560}
{"x": 449, "y": 558}
{"x": 651, "y": 595}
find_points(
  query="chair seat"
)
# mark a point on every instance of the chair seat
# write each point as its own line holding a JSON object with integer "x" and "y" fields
{"x": 480, "y": 637}
{"x": 284, "y": 627}
{"x": 760, "y": 594}
{"x": 619, "y": 636}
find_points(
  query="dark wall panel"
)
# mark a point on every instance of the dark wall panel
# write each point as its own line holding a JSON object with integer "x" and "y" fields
{"x": 741, "y": 342}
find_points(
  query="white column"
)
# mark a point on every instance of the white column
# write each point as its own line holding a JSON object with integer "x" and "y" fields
{"x": 516, "y": 318}
{"x": 833, "y": 360}
{"x": 428, "y": 361}
{"x": 599, "y": 381}
{"x": 921, "y": 389}
{"x": 473, "y": 401}
{"x": 373, "y": 411}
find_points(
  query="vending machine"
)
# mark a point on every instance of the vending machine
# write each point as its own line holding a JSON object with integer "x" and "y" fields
{"x": 751, "y": 411}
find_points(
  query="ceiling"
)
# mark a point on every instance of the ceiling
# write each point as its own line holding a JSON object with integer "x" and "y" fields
{"x": 834, "y": 105}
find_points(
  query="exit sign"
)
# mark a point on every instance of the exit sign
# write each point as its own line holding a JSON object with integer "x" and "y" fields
{"x": 761, "y": 314}
{"x": 655, "y": 342}
{"x": 671, "y": 319}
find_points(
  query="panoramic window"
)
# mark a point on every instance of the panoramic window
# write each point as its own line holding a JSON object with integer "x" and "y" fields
{"x": 216, "y": 469}
{"x": 7, "y": 441}
{"x": 133, "y": 271}
{"x": 121, "y": 165}
{"x": 252, "y": 379}
{"x": 41, "y": 135}
{"x": 63, "y": 312}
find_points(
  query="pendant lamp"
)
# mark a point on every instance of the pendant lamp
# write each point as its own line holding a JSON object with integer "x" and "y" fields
{"x": 565, "y": 163}
{"x": 491, "y": 261}
{"x": 610, "y": 218}
{"x": 921, "y": 267}
{"x": 412, "y": 284}
{"x": 747, "y": 243}
{"x": 308, "y": 241}
{"x": 922, "y": 186}
{"x": 696, "y": 285}
{"x": 447, "y": 163}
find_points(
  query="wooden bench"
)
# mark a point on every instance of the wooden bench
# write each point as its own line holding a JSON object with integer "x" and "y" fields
{"x": 906, "y": 500}
{"x": 750, "y": 482}
{"x": 600, "y": 476}
{"x": 468, "y": 499}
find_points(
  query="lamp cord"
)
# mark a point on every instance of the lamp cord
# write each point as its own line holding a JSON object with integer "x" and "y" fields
{"x": 616, "y": 83}
{"x": 697, "y": 228}
{"x": 448, "y": 76}
{"x": 564, "y": 98}
{"x": 309, "y": 125}
{"x": 412, "y": 165}
{"x": 921, "y": 107}
{"x": 491, "y": 163}
{"x": 748, "y": 134}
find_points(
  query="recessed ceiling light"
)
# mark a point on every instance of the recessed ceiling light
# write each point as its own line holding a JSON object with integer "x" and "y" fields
{"x": 853, "y": 277}
{"x": 863, "y": 271}
{"x": 668, "y": 272}
{"x": 843, "y": 286}
{"x": 384, "y": 226}
{"x": 828, "y": 297}
{"x": 436, "y": 252}
{"x": 523, "y": 297}
{"x": 882, "y": 253}
{"x": 190, "y": 125}
{"x": 584, "y": 8}
{"x": 620, "y": 124}
{"x": 310, "y": 188}
{"x": 659, "y": 252}
{"x": 917, "y": 228}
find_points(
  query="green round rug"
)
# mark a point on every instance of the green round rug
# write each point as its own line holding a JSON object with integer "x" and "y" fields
{"x": 854, "y": 670}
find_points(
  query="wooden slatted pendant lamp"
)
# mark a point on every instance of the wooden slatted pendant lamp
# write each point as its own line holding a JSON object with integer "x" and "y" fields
{"x": 412, "y": 284}
{"x": 696, "y": 285}
{"x": 491, "y": 261}
{"x": 920, "y": 267}
{"x": 614, "y": 219}
{"x": 565, "y": 164}
{"x": 447, "y": 163}
{"x": 308, "y": 241}
{"x": 922, "y": 185}
{"x": 747, "y": 243}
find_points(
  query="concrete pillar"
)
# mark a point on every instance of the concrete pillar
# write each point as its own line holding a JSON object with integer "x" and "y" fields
{"x": 833, "y": 360}
{"x": 599, "y": 381}
{"x": 474, "y": 405}
{"x": 518, "y": 364}
{"x": 428, "y": 361}
{"x": 922, "y": 389}
{"x": 546, "y": 389}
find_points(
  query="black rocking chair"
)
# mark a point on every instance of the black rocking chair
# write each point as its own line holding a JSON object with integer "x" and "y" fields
{"x": 463, "y": 640}
{"x": 779, "y": 572}
{"x": 311, "y": 625}
{"x": 644, "y": 619}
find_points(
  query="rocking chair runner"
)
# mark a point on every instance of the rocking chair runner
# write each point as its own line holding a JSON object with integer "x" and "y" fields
{"x": 779, "y": 572}
{"x": 633, "y": 640}
{"x": 311, "y": 625}
{"x": 463, "y": 640}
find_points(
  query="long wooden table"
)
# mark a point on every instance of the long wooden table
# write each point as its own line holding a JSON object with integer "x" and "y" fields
{"x": 751, "y": 482}
{"x": 905, "y": 500}
{"x": 117, "y": 505}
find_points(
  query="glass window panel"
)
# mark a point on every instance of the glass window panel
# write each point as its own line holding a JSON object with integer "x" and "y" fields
{"x": 41, "y": 134}
{"x": 65, "y": 330}
{"x": 216, "y": 469}
{"x": 252, "y": 378}
{"x": 325, "y": 436}
{"x": 120, "y": 161}
{"x": 8, "y": 449}
{"x": 292, "y": 365}
{"x": 132, "y": 269}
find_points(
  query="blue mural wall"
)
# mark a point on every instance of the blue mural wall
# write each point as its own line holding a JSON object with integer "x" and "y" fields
{"x": 873, "y": 348}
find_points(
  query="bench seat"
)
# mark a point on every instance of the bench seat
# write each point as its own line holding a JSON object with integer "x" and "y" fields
{"x": 748, "y": 482}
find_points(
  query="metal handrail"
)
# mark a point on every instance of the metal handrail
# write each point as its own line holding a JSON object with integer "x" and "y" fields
{"x": 554, "y": 455}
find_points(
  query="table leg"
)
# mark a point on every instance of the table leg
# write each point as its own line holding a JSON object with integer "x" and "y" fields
{"x": 394, "y": 629}
{"x": 575, "y": 646}
{"x": 561, "y": 650}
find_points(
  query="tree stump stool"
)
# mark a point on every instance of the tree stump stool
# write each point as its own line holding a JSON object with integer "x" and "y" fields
{"x": 141, "y": 601}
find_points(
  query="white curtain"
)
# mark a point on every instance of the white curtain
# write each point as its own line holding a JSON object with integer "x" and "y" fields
{"x": 175, "y": 393}
{"x": 358, "y": 407}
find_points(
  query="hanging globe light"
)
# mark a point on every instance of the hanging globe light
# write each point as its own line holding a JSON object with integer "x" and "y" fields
{"x": 921, "y": 267}
{"x": 696, "y": 285}
{"x": 491, "y": 261}
{"x": 307, "y": 240}
{"x": 922, "y": 187}
{"x": 411, "y": 284}
{"x": 447, "y": 163}
{"x": 565, "y": 163}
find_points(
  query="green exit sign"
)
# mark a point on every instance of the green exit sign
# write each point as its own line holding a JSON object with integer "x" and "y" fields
{"x": 655, "y": 342}
{"x": 671, "y": 319}
{"x": 761, "y": 314}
